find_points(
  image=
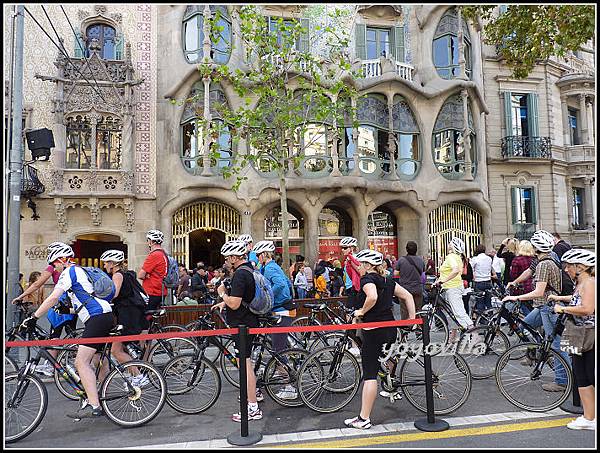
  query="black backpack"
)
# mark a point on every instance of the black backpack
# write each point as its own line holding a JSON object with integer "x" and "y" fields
{"x": 567, "y": 286}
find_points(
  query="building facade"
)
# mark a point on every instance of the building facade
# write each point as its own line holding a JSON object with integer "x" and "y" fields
{"x": 447, "y": 143}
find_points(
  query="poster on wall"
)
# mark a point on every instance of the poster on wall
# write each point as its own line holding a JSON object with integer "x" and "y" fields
{"x": 329, "y": 248}
{"x": 388, "y": 245}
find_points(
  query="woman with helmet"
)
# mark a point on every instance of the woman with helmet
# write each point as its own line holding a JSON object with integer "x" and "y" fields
{"x": 580, "y": 264}
{"x": 251, "y": 253}
{"x": 95, "y": 313}
{"x": 547, "y": 280}
{"x": 58, "y": 323}
{"x": 129, "y": 301}
{"x": 451, "y": 281}
{"x": 351, "y": 275}
{"x": 375, "y": 298}
{"x": 154, "y": 270}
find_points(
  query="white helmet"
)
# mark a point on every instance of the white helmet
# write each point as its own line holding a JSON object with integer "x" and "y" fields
{"x": 237, "y": 248}
{"x": 56, "y": 245}
{"x": 348, "y": 242}
{"x": 264, "y": 246}
{"x": 245, "y": 238}
{"x": 116, "y": 256}
{"x": 458, "y": 245}
{"x": 542, "y": 241}
{"x": 59, "y": 251}
{"x": 156, "y": 236}
{"x": 370, "y": 256}
{"x": 580, "y": 256}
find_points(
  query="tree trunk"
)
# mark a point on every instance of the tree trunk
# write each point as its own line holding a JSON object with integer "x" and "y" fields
{"x": 284, "y": 226}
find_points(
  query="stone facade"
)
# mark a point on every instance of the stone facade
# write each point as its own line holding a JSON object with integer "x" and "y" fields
{"x": 152, "y": 187}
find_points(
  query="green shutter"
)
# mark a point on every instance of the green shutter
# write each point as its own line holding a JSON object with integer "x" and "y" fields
{"x": 304, "y": 36}
{"x": 361, "y": 41}
{"x": 119, "y": 47}
{"x": 513, "y": 198}
{"x": 533, "y": 206}
{"x": 397, "y": 41}
{"x": 533, "y": 116}
{"x": 507, "y": 113}
{"x": 79, "y": 44}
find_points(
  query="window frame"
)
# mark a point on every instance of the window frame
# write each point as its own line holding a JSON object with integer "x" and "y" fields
{"x": 578, "y": 209}
{"x": 199, "y": 52}
{"x": 516, "y": 195}
{"x": 378, "y": 31}
{"x": 102, "y": 40}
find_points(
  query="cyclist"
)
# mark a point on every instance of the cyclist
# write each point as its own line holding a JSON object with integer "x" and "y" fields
{"x": 154, "y": 270}
{"x": 375, "y": 297}
{"x": 547, "y": 280}
{"x": 249, "y": 245}
{"x": 483, "y": 274}
{"x": 581, "y": 265}
{"x": 96, "y": 315}
{"x": 236, "y": 302}
{"x": 283, "y": 305}
{"x": 65, "y": 320}
{"x": 450, "y": 280}
{"x": 129, "y": 303}
{"x": 351, "y": 275}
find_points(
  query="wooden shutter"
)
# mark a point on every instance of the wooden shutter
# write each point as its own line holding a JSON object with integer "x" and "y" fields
{"x": 513, "y": 199}
{"x": 507, "y": 113}
{"x": 397, "y": 43}
{"x": 79, "y": 44}
{"x": 361, "y": 41}
{"x": 532, "y": 115}
{"x": 304, "y": 44}
{"x": 119, "y": 47}
{"x": 533, "y": 206}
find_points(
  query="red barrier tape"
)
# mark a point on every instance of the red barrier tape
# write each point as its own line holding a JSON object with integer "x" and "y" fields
{"x": 207, "y": 333}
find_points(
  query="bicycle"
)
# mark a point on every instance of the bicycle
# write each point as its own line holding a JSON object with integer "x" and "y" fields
{"x": 493, "y": 342}
{"x": 523, "y": 369}
{"x": 125, "y": 402}
{"x": 330, "y": 378}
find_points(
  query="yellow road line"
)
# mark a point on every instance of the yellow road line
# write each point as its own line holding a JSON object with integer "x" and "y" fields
{"x": 411, "y": 437}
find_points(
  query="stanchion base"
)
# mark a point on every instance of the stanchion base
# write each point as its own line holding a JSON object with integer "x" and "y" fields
{"x": 568, "y": 406}
{"x": 250, "y": 439}
{"x": 437, "y": 425}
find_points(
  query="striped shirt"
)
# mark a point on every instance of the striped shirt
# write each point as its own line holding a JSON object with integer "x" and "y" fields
{"x": 93, "y": 306}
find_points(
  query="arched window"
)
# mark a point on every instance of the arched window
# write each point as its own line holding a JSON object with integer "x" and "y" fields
{"x": 192, "y": 149}
{"x": 445, "y": 46}
{"x": 406, "y": 133}
{"x": 104, "y": 37}
{"x": 448, "y": 141}
{"x": 193, "y": 34}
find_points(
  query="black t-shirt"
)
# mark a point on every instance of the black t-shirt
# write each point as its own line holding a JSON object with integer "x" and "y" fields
{"x": 382, "y": 310}
{"x": 242, "y": 285}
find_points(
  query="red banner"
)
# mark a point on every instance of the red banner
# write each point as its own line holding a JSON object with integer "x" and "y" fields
{"x": 388, "y": 245}
{"x": 329, "y": 249}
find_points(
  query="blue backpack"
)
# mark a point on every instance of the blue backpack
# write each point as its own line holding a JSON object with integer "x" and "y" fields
{"x": 171, "y": 279}
{"x": 104, "y": 288}
{"x": 57, "y": 319}
{"x": 263, "y": 294}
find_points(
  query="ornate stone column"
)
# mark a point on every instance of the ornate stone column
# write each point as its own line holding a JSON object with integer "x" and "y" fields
{"x": 94, "y": 120}
{"x": 127, "y": 137}
{"x": 590, "y": 221}
{"x": 391, "y": 142}
{"x": 206, "y": 167}
{"x": 466, "y": 137}
{"x": 591, "y": 123}
{"x": 356, "y": 170}
{"x": 59, "y": 129}
{"x": 565, "y": 120}
{"x": 461, "y": 47}
{"x": 583, "y": 118}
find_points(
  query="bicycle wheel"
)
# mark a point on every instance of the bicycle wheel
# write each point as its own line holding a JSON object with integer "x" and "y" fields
{"x": 481, "y": 349}
{"x": 438, "y": 330}
{"x": 523, "y": 369}
{"x": 136, "y": 407}
{"x": 302, "y": 340}
{"x": 169, "y": 348}
{"x": 25, "y": 404}
{"x": 10, "y": 365}
{"x": 64, "y": 387}
{"x": 324, "y": 388}
{"x": 174, "y": 328}
{"x": 282, "y": 384}
{"x": 451, "y": 379}
{"x": 324, "y": 340}
{"x": 193, "y": 385}
{"x": 229, "y": 365}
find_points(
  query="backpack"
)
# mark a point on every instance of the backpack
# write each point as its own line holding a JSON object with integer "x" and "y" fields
{"x": 57, "y": 319}
{"x": 138, "y": 296}
{"x": 567, "y": 286}
{"x": 104, "y": 288}
{"x": 171, "y": 279}
{"x": 263, "y": 294}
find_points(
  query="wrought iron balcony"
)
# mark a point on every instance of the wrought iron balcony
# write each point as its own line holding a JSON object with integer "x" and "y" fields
{"x": 528, "y": 147}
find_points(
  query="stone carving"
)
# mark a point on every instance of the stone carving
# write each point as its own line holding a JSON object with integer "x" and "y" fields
{"x": 61, "y": 215}
{"x": 92, "y": 180}
{"x": 100, "y": 9}
{"x": 75, "y": 183}
{"x": 37, "y": 253}
{"x": 128, "y": 180}
{"x": 81, "y": 15}
{"x": 117, "y": 17}
{"x": 110, "y": 183}
{"x": 95, "y": 212}
{"x": 313, "y": 197}
{"x": 57, "y": 176}
{"x": 129, "y": 213}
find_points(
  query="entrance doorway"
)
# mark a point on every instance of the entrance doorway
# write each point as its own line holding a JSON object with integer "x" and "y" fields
{"x": 205, "y": 246}
{"x": 89, "y": 247}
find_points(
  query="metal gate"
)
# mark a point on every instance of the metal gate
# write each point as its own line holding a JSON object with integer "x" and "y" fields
{"x": 453, "y": 219}
{"x": 204, "y": 214}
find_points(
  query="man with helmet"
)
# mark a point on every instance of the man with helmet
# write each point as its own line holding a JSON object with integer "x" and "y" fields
{"x": 95, "y": 313}
{"x": 351, "y": 275}
{"x": 451, "y": 281}
{"x": 580, "y": 264}
{"x": 547, "y": 280}
{"x": 249, "y": 246}
{"x": 154, "y": 270}
{"x": 241, "y": 289}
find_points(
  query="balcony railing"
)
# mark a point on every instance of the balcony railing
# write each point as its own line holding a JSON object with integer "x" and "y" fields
{"x": 372, "y": 68}
{"x": 524, "y": 231}
{"x": 527, "y": 147}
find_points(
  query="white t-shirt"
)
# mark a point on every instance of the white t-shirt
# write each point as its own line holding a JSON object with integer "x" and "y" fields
{"x": 482, "y": 267}
{"x": 93, "y": 306}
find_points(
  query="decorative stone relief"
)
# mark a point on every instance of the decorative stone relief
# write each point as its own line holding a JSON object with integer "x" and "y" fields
{"x": 61, "y": 215}
{"x": 75, "y": 183}
{"x": 57, "y": 177}
{"x": 95, "y": 212}
{"x": 128, "y": 179}
{"x": 313, "y": 197}
{"x": 93, "y": 180}
{"x": 129, "y": 208}
{"x": 110, "y": 183}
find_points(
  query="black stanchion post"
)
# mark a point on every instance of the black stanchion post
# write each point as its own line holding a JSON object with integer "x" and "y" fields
{"x": 245, "y": 437}
{"x": 429, "y": 424}
{"x": 575, "y": 406}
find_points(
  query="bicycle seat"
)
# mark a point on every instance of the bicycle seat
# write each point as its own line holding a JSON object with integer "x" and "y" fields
{"x": 116, "y": 330}
{"x": 156, "y": 313}
{"x": 269, "y": 319}
{"x": 315, "y": 306}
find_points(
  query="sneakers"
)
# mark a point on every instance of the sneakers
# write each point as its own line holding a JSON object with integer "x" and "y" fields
{"x": 582, "y": 423}
{"x": 140, "y": 380}
{"x": 554, "y": 387}
{"x": 259, "y": 396}
{"x": 289, "y": 392}
{"x": 392, "y": 396}
{"x": 454, "y": 336}
{"x": 354, "y": 351}
{"x": 46, "y": 369}
{"x": 357, "y": 423}
{"x": 87, "y": 412}
{"x": 252, "y": 415}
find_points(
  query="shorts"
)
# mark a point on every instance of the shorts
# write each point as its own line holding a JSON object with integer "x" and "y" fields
{"x": 98, "y": 326}
{"x": 583, "y": 368}
{"x": 373, "y": 341}
{"x": 57, "y": 331}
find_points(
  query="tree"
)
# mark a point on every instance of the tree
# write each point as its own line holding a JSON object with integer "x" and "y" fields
{"x": 525, "y": 34}
{"x": 292, "y": 97}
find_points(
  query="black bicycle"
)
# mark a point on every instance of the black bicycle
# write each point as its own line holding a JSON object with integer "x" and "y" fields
{"x": 131, "y": 394}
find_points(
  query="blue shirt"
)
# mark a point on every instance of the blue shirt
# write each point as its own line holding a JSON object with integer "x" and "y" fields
{"x": 281, "y": 285}
{"x": 253, "y": 258}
